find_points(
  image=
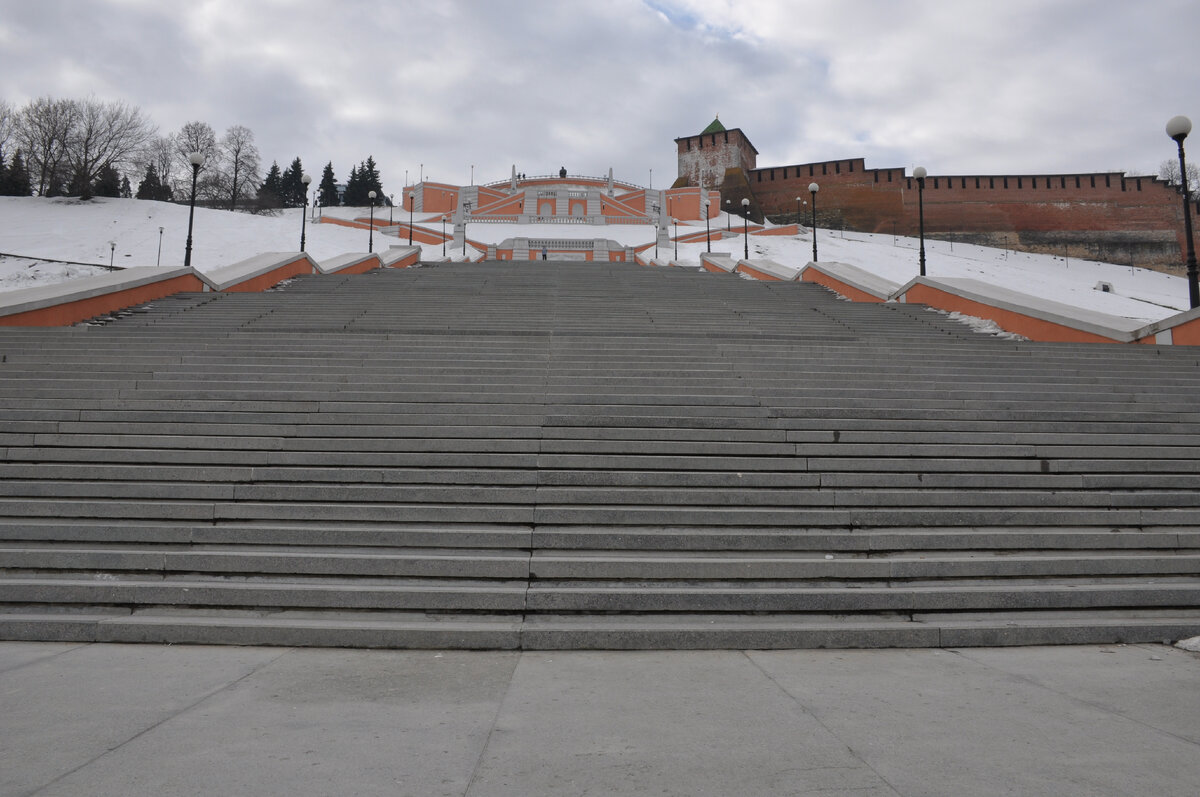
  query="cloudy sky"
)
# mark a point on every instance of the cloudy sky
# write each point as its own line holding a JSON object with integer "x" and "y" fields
{"x": 436, "y": 86}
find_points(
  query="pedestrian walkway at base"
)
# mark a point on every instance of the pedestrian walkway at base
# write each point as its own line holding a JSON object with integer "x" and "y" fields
{"x": 560, "y": 455}
{"x": 175, "y": 721}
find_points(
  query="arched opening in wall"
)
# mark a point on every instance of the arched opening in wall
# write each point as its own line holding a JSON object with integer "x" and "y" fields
{"x": 578, "y": 207}
{"x": 545, "y": 207}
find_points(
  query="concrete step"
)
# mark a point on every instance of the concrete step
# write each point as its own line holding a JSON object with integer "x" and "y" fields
{"x": 545, "y": 596}
{"x": 293, "y": 560}
{"x": 391, "y": 594}
{"x": 508, "y": 455}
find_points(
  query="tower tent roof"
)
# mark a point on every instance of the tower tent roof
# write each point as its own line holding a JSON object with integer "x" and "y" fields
{"x": 714, "y": 127}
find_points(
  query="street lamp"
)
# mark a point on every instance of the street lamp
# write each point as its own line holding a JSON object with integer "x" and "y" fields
{"x": 920, "y": 173}
{"x": 1178, "y": 129}
{"x": 443, "y": 235}
{"x": 412, "y": 199}
{"x": 728, "y": 217}
{"x": 159, "y": 261}
{"x": 307, "y": 180}
{"x": 466, "y": 212}
{"x": 391, "y": 204}
{"x": 813, "y": 188}
{"x": 656, "y": 209}
{"x": 746, "y": 226}
{"x": 707, "y": 236}
{"x": 371, "y": 232}
{"x": 112, "y": 252}
{"x": 195, "y": 158}
{"x": 676, "y": 223}
{"x": 799, "y": 214}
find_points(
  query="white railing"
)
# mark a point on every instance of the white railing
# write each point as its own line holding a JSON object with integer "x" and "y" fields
{"x": 616, "y": 183}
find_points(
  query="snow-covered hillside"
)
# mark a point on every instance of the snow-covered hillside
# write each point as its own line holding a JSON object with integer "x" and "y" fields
{"x": 67, "y": 229}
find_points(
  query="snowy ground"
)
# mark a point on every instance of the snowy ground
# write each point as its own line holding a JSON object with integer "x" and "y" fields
{"x": 64, "y": 229}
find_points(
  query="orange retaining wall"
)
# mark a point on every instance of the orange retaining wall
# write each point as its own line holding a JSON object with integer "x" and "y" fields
{"x": 837, "y": 286}
{"x": 370, "y": 264}
{"x": 1186, "y": 334}
{"x": 301, "y": 265}
{"x": 410, "y": 260}
{"x": 1032, "y": 328}
{"x": 61, "y": 315}
{"x": 758, "y": 275}
{"x": 787, "y": 229}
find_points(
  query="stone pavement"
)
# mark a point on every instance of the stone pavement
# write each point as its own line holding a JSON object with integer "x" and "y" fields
{"x": 98, "y": 719}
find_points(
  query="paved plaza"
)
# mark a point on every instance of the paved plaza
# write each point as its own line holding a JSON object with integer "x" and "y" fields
{"x": 91, "y": 720}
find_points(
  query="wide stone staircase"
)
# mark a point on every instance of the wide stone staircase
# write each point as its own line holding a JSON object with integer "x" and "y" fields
{"x": 581, "y": 455}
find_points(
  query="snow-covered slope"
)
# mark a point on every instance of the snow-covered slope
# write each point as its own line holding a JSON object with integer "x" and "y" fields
{"x": 64, "y": 229}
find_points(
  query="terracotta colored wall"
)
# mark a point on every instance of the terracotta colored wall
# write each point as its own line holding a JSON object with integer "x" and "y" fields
{"x": 837, "y": 286}
{"x": 1030, "y": 327}
{"x": 1187, "y": 334}
{"x": 758, "y": 275}
{"x": 439, "y": 198}
{"x": 410, "y": 260}
{"x": 363, "y": 267}
{"x": 274, "y": 277}
{"x": 62, "y": 315}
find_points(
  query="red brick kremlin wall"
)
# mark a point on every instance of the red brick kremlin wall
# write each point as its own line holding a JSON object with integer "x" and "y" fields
{"x": 1103, "y": 215}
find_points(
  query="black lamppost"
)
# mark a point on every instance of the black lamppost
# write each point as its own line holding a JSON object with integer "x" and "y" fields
{"x": 813, "y": 188}
{"x": 412, "y": 199}
{"x": 920, "y": 173}
{"x": 391, "y": 204}
{"x": 657, "y": 220}
{"x": 466, "y": 212}
{"x": 746, "y": 226}
{"x": 112, "y": 252}
{"x": 159, "y": 261}
{"x": 1178, "y": 129}
{"x": 676, "y": 223}
{"x": 195, "y": 158}
{"x": 728, "y": 217}
{"x": 371, "y": 233}
{"x": 707, "y": 235}
{"x": 307, "y": 180}
{"x": 443, "y": 235}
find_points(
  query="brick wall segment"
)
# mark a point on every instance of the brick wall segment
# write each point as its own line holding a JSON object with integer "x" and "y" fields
{"x": 63, "y": 304}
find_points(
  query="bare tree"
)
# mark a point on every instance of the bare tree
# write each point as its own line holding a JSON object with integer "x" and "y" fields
{"x": 159, "y": 152}
{"x": 105, "y": 134}
{"x": 8, "y": 123}
{"x": 44, "y": 131}
{"x": 1168, "y": 172}
{"x": 197, "y": 137}
{"x": 239, "y": 164}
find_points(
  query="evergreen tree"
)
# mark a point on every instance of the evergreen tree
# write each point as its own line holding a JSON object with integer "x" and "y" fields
{"x": 126, "y": 188}
{"x": 269, "y": 194}
{"x": 369, "y": 174}
{"x": 152, "y": 187}
{"x": 80, "y": 186}
{"x": 291, "y": 190}
{"x": 328, "y": 196}
{"x": 19, "y": 183}
{"x": 355, "y": 194}
{"x": 108, "y": 182}
{"x": 4, "y": 179}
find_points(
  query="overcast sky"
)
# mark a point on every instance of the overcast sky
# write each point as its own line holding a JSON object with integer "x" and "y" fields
{"x": 974, "y": 86}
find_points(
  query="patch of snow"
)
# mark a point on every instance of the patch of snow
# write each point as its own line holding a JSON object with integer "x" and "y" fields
{"x": 1192, "y": 644}
{"x": 983, "y": 326}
